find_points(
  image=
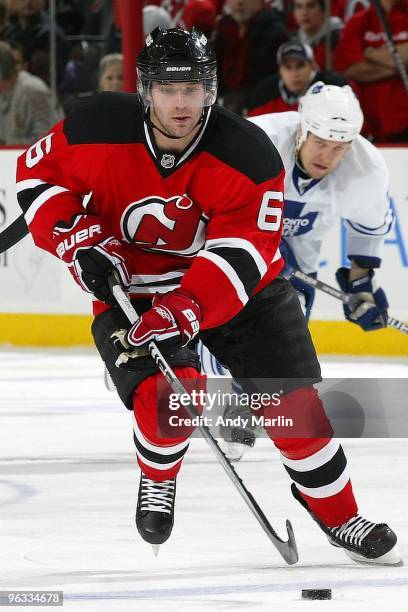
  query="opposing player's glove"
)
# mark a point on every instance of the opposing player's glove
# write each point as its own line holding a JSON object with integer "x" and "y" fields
{"x": 289, "y": 257}
{"x": 368, "y": 306}
{"x": 306, "y": 294}
{"x": 172, "y": 321}
{"x": 92, "y": 254}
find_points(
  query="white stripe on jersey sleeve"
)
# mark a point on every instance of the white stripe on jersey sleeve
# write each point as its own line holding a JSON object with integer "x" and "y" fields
{"x": 240, "y": 243}
{"x": 42, "y": 199}
{"x": 229, "y": 272}
{"x": 139, "y": 279}
{"x": 276, "y": 256}
{"x": 151, "y": 289}
{"x": 28, "y": 184}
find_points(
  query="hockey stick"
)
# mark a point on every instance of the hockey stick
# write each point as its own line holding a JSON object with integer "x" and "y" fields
{"x": 288, "y": 549}
{"x": 15, "y": 232}
{"x": 343, "y": 297}
{"x": 391, "y": 45}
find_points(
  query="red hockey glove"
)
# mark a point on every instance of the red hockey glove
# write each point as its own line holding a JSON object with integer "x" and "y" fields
{"x": 172, "y": 322}
{"x": 92, "y": 254}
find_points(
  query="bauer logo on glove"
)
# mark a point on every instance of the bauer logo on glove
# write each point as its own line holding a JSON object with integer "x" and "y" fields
{"x": 91, "y": 253}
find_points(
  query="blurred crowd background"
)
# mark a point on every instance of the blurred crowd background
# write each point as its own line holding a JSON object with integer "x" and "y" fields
{"x": 269, "y": 52}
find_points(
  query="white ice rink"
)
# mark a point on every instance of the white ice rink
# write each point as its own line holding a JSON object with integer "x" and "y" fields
{"x": 68, "y": 489}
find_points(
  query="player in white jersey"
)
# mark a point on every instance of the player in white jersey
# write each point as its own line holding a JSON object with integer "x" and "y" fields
{"x": 331, "y": 170}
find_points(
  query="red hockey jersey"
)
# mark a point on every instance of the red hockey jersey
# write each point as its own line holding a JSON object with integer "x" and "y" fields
{"x": 208, "y": 220}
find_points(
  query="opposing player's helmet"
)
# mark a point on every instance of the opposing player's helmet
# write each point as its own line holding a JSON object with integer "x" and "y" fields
{"x": 177, "y": 55}
{"x": 330, "y": 112}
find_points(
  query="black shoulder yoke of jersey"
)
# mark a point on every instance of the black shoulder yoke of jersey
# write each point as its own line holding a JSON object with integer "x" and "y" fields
{"x": 108, "y": 117}
{"x": 265, "y": 90}
{"x": 242, "y": 145}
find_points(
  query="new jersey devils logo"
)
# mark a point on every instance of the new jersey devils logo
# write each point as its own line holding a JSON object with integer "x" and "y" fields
{"x": 175, "y": 224}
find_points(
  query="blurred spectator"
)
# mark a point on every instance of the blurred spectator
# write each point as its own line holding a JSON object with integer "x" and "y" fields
{"x": 31, "y": 29}
{"x": 110, "y": 75}
{"x": 80, "y": 76}
{"x": 70, "y": 17}
{"x": 155, "y": 16}
{"x": 351, "y": 7}
{"x": 3, "y": 15}
{"x": 8, "y": 13}
{"x": 363, "y": 56}
{"x": 94, "y": 15}
{"x": 200, "y": 14}
{"x": 246, "y": 42}
{"x": 12, "y": 9}
{"x": 338, "y": 8}
{"x": 297, "y": 71}
{"x": 202, "y": 11}
{"x": 103, "y": 18}
{"x": 19, "y": 57}
{"x": 26, "y": 111}
{"x": 313, "y": 27}
{"x": 175, "y": 9}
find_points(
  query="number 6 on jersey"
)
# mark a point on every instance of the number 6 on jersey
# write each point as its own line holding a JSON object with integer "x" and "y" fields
{"x": 270, "y": 217}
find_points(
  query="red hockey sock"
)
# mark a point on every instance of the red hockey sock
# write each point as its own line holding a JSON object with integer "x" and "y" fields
{"x": 160, "y": 436}
{"x": 335, "y": 509}
{"x": 316, "y": 463}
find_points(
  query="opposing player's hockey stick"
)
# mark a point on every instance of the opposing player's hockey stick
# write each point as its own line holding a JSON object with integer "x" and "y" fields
{"x": 390, "y": 40}
{"x": 15, "y": 232}
{"x": 288, "y": 549}
{"x": 343, "y": 297}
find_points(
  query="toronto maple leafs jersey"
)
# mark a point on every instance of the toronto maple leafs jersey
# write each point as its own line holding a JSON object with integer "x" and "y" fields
{"x": 357, "y": 190}
{"x": 208, "y": 220}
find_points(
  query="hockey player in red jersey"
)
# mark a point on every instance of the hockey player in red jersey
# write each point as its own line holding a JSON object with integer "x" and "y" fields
{"x": 186, "y": 205}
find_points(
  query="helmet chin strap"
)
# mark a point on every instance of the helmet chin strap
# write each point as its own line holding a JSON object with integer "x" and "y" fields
{"x": 166, "y": 134}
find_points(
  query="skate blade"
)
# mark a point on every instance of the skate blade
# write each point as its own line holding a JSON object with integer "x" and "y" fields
{"x": 392, "y": 557}
{"x": 156, "y": 548}
{"x": 234, "y": 451}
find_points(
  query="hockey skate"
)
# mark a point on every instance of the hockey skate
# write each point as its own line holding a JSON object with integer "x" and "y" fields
{"x": 237, "y": 437}
{"x": 155, "y": 510}
{"x": 362, "y": 540}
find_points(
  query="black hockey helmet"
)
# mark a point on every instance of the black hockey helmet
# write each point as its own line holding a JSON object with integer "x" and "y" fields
{"x": 177, "y": 55}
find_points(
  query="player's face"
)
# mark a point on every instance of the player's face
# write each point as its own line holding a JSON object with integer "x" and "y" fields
{"x": 177, "y": 107}
{"x": 319, "y": 157}
{"x": 295, "y": 73}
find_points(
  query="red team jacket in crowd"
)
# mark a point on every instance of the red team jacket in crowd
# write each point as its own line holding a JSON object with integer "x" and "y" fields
{"x": 245, "y": 59}
{"x": 267, "y": 96}
{"x": 385, "y": 102}
{"x": 275, "y": 104}
{"x": 208, "y": 221}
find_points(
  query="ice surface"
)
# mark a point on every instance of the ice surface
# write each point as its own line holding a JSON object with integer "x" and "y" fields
{"x": 68, "y": 488}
